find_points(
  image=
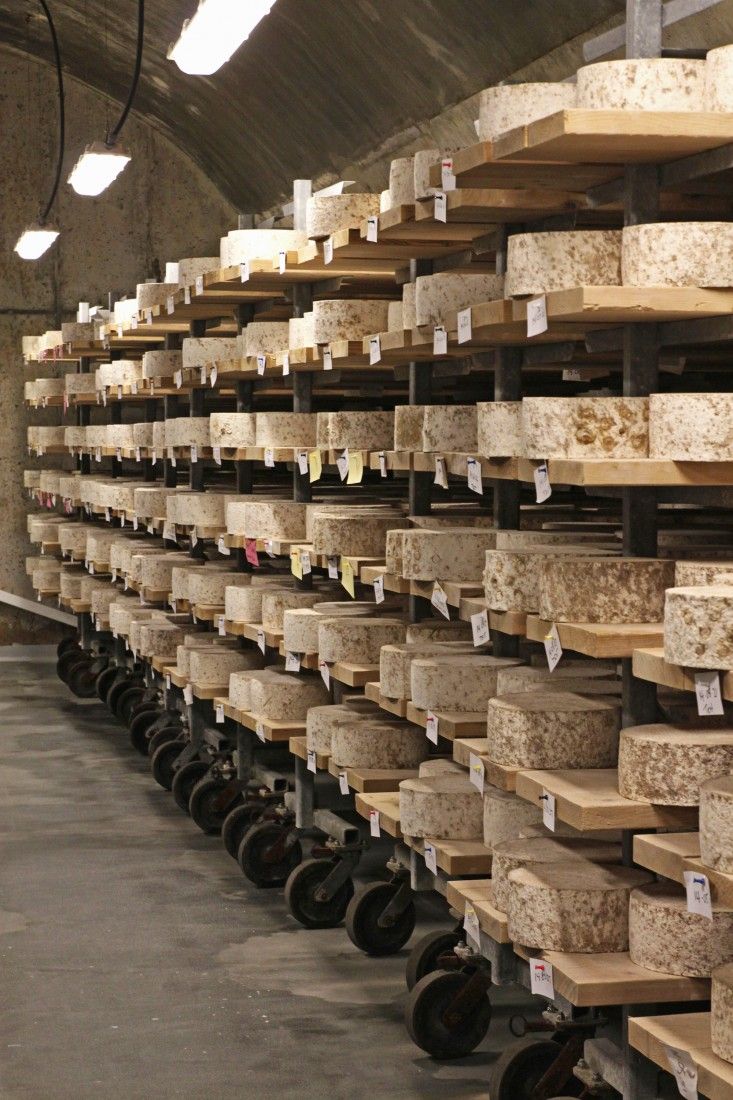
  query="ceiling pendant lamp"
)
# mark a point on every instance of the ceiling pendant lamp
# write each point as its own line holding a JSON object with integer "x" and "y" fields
{"x": 101, "y": 162}
{"x": 215, "y": 32}
{"x": 36, "y": 239}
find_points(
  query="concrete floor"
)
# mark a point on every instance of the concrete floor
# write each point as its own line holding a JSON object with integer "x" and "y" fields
{"x": 137, "y": 963}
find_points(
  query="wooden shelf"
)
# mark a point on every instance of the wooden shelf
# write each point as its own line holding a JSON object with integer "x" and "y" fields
{"x": 455, "y": 857}
{"x": 649, "y": 664}
{"x": 372, "y": 780}
{"x": 590, "y": 472}
{"x": 598, "y": 639}
{"x": 477, "y": 892}
{"x": 353, "y": 675}
{"x": 451, "y": 723}
{"x": 387, "y": 806}
{"x": 398, "y": 707}
{"x": 208, "y": 691}
{"x": 671, "y": 854}
{"x": 266, "y": 729}
{"x": 299, "y": 747}
{"x": 688, "y": 1031}
{"x": 477, "y": 166}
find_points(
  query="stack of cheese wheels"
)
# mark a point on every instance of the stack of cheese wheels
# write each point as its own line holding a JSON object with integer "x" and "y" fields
{"x": 499, "y": 429}
{"x": 357, "y": 640}
{"x": 408, "y": 422}
{"x": 240, "y": 686}
{"x": 322, "y": 721}
{"x": 274, "y": 519}
{"x": 283, "y": 429}
{"x": 691, "y": 427}
{"x": 207, "y": 586}
{"x": 512, "y": 577}
{"x": 326, "y": 214}
{"x": 579, "y": 907}
{"x": 241, "y": 245}
{"x": 232, "y": 429}
{"x": 395, "y": 663}
{"x": 585, "y": 427}
{"x": 243, "y": 603}
{"x": 721, "y": 1012}
{"x": 586, "y": 677}
{"x": 444, "y": 807}
{"x": 530, "y": 852}
{"x": 401, "y": 182}
{"x": 604, "y": 590}
{"x": 450, "y": 428}
{"x": 716, "y": 823}
{"x": 354, "y": 533}
{"x": 439, "y": 296}
{"x": 664, "y": 936}
{"x": 698, "y": 626}
{"x": 365, "y": 743}
{"x": 183, "y": 431}
{"x": 552, "y": 729}
{"x": 282, "y": 696}
{"x": 208, "y": 667}
{"x": 510, "y": 105}
{"x": 668, "y": 763}
{"x": 161, "y": 364}
{"x": 538, "y": 263}
{"x": 359, "y": 431}
{"x": 678, "y": 254}
{"x": 337, "y": 319}
{"x": 445, "y": 683}
{"x": 642, "y": 84}
{"x": 265, "y": 338}
{"x": 452, "y": 554}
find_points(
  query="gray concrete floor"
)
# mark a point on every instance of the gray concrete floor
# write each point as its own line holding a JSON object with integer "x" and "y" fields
{"x": 137, "y": 963}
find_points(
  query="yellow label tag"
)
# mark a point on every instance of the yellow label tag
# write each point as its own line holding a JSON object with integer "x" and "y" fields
{"x": 347, "y": 576}
{"x": 356, "y": 468}
{"x": 295, "y": 565}
{"x": 315, "y": 466}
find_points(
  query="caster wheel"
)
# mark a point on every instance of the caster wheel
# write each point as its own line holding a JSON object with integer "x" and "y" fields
{"x": 116, "y": 687}
{"x": 67, "y": 661}
{"x": 162, "y": 737}
{"x": 205, "y": 804}
{"x": 127, "y": 701}
{"x": 81, "y": 680}
{"x": 237, "y": 822}
{"x": 300, "y": 895}
{"x": 424, "y": 1012}
{"x": 139, "y": 727}
{"x": 362, "y": 921}
{"x": 145, "y": 707}
{"x": 105, "y": 680}
{"x": 66, "y": 645}
{"x": 516, "y": 1072}
{"x": 186, "y": 779}
{"x": 426, "y": 952}
{"x": 260, "y": 864}
{"x": 162, "y": 760}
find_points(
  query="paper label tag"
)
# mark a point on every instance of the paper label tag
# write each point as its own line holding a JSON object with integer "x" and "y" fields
{"x": 431, "y": 858}
{"x": 465, "y": 330}
{"x": 292, "y": 662}
{"x": 202, "y": 376}
{"x": 475, "y": 482}
{"x": 216, "y": 452}
{"x": 447, "y": 176}
{"x": 295, "y": 565}
{"x": 327, "y": 355}
{"x": 194, "y": 453}
{"x": 471, "y": 925}
{"x": 178, "y": 379}
{"x": 480, "y": 628}
{"x": 282, "y": 262}
{"x": 537, "y": 315}
{"x": 699, "y": 899}
{"x": 441, "y": 473}
{"x": 170, "y": 304}
{"x": 286, "y": 364}
{"x": 244, "y": 271}
{"x": 347, "y": 576}
{"x": 305, "y": 562}
{"x": 431, "y": 727}
{"x": 342, "y": 464}
{"x": 250, "y": 552}
{"x": 440, "y": 340}
{"x": 343, "y": 783}
{"x": 476, "y": 771}
{"x": 138, "y": 454}
{"x": 213, "y": 377}
{"x": 168, "y": 681}
{"x": 268, "y": 548}
{"x": 356, "y": 468}
{"x": 548, "y": 809}
{"x": 375, "y": 350}
{"x": 372, "y": 233}
{"x": 382, "y": 464}
{"x": 315, "y": 466}
{"x": 222, "y": 547}
{"x": 269, "y": 457}
{"x": 260, "y": 730}
{"x": 439, "y": 600}
{"x": 378, "y": 589}
{"x": 328, "y": 250}
{"x": 333, "y": 568}
{"x": 440, "y": 207}
{"x": 553, "y": 649}
{"x": 540, "y": 978}
{"x": 325, "y": 672}
{"x": 708, "y": 693}
{"x": 374, "y": 829}
{"x": 219, "y": 714}
{"x": 302, "y": 460}
{"x": 684, "y": 1070}
{"x": 221, "y": 625}
{"x": 98, "y": 454}
{"x": 261, "y": 640}
{"x": 543, "y": 489}
{"x": 199, "y": 284}
{"x": 188, "y": 695}
{"x": 311, "y": 762}
{"x": 261, "y": 363}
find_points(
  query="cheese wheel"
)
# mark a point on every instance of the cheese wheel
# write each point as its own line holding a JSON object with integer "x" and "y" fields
{"x": 344, "y": 319}
{"x": 395, "y": 663}
{"x": 579, "y": 676}
{"x": 450, "y": 428}
{"x": 360, "y": 535}
{"x": 73, "y": 537}
{"x": 232, "y": 429}
{"x": 358, "y": 640}
{"x": 424, "y": 159}
{"x": 322, "y": 721}
{"x": 286, "y": 429}
{"x": 360, "y": 431}
{"x": 678, "y": 254}
{"x": 444, "y": 683}
{"x": 512, "y": 577}
{"x": 401, "y": 182}
{"x": 153, "y": 294}
{"x": 180, "y": 575}
{"x": 203, "y": 351}
{"x": 665, "y": 937}
{"x": 300, "y": 630}
{"x": 161, "y": 364}
{"x": 408, "y": 422}
{"x": 49, "y": 436}
{"x": 182, "y": 431}
{"x": 265, "y": 338}
{"x": 159, "y": 435}
{"x": 142, "y": 435}
{"x": 300, "y": 331}
{"x": 193, "y": 266}
{"x": 160, "y": 639}
{"x": 120, "y": 372}
{"x": 207, "y": 587}
{"x": 721, "y": 1007}
{"x": 257, "y": 244}
{"x": 691, "y": 427}
{"x": 277, "y": 519}
{"x": 694, "y": 573}
{"x": 642, "y": 84}
{"x": 240, "y": 686}
{"x": 51, "y": 387}
{"x": 275, "y": 603}
{"x": 698, "y": 626}
{"x": 454, "y": 554}
{"x": 718, "y": 84}
{"x": 149, "y": 501}
{"x": 499, "y": 430}
{"x": 78, "y": 332}
{"x": 409, "y": 314}
{"x": 585, "y": 427}
{"x": 540, "y": 262}
{"x": 326, "y": 214}
{"x": 206, "y": 667}
{"x": 101, "y": 600}
{"x": 716, "y": 822}
{"x": 438, "y": 296}
{"x": 443, "y": 807}
{"x": 366, "y": 744}
{"x": 552, "y": 729}
{"x": 70, "y": 585}
{"x": 508, "y": 106}
{"x": 284, "y": 696}
{"x": 604, "y": 590}
{"x": 79, "y": 385}
{"x": 668, "y": 763}
{"x": 394, "y": 316}
{"x": 438, "y": 630}
{"x": 202, "y": 509}
{"x": 243, "y": 603}
{"x": 119, "y": 435}
{"x": 156, "y": 570}
{"x": 509, "y": 855}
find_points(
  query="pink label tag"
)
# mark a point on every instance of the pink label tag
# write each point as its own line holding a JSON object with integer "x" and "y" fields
{"x": 250, "y": 552}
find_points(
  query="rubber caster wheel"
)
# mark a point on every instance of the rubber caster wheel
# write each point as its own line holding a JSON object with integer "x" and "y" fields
{"x": 300, "y": 895}
{"x": 209, "y": 806}
{"x": 66, "y": 645}
{"x": 116, "y": 687}
{"x": 236, "y": 824}
{"x": 105, "y": 680}
{"x": 127, "y": 701}
{"x": 423, "y": 958}
{"x": 139, "y": 727}
{"x": 186, "y": 779}
{"x": 362, "y": 921}
{"x": 426, "y": 1007}
{"x": 81, "y": 680}
{"x": 67, "y": 661}
{"x": 145, "y": 707}
{"x": 516, "y": 1072}
{"x": 162, "y": 737}
{"x": 162, "y": 761}
{"x": 254, "y": 856}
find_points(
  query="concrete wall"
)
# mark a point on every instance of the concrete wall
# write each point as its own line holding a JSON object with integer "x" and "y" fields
{"x": 162, "y": 208}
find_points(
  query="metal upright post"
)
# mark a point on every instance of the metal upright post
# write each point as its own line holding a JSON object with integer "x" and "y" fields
{"x": 196, "y": 407}
{"x": 244, "y": 390}
{"x": 302, "y": 389}
{"x": 420, "y": 392}
{"x": 169, "y": 410}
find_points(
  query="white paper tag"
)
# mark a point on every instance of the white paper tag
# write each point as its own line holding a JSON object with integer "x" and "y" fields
{"x": 268, "y": 548}
{"x": 465, "y": 330}
{"x": 269, "y": 457}
{"x": 325, "y": 672}
{"x": 282, "y": 262}
{"x": 684, "y": 1070}
{"x": 194, "y": 453}
{"x": 440, "y": 207}
{"x": 261, "y": 363}
{"x": 708, "y": 693}
{"x": 199, "y": 284}
{"x": 138, "y": 454}
{"x": 543, "y": 489}
{"x": 188, "y": 695}
{"x": 305, "y": 562}
{"x": 221, "y": 626}
{"x": 292, "y": 662}
{"x": 431, "y": 858}
{"x": 260, "y": 730}
{"x": 202, "y": 376}
{"x": 537, "y": 315}
{"x": 440, "y": 340}
{"x": 168, "y": 681}
{"x": 431, "y": 727}
{"x": 261, "y": 640}
{"x": 213, "y": 377}
{"x": 98, "y": 454}
{"x": 475, "y": 482}
{"x": 328, "y": 250}
{"x": 441, "y": 473}
{"x": 303, "y": 462}
{"x": 379, "y": 589}
{"x": 216, "y": 452}
{"x": 194, "y": 537}
{"x": 548, "y": 809}
{"x": 480, "y": 628}
{"x": 375, "y": 350}
{"x": 286, "y": 365}
{"x": 471, "y": 925}
{"x": 553, "y": 649}
{"x": 170, "y": 304}
{"x": 186, "y": 297}
{"x": 311, "y": 762}
{"x": 333, "y": 569}
{"x": 439, "y": 600}
{"x": 382, "y": 464}
{"x": 374, "y": 829}
{"x": 342, "y": 463}
{"x": 540, "y": 978}
{"x": 327, "y": 356}
{"x": 244, "y": 271}
{"x": 447, "y": 176}
{"x": 219, "y": 714}
{"x": 222, "y": 547}
{"x": 476, "y": 771}
{"x": 372, "y": 233}
{"x": 699, "y": 899}
{"x": 343, "y": 782}
{"x": 178, "y": 379}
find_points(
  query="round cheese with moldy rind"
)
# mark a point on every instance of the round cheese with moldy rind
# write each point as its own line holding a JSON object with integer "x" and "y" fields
{"x": 49, "y": 435}
{"x": 243, "y": 603}
{"x": 322, "y": 721}
{"x": 401, "y": 182}
{"x": 79, "y": 385}
{"x": 642, "y": 84}
{"x": 300, "y": 331}
{"x": 508, "y": 106}
{"x": 698, "y": 626}
{"x": 284, "y": 696}
{"x": 438, "y": 630}
{"x": 678, "y": 254}
{"x": 450, "y": 428}
{"x": 197, "y": 642}
{"x": 73, "y": 537}
{"x": 257, "y": 244}
{"x": 279, "y": 429}
{"x": 393, "y": 552}
{"x": 408, "y": 422}
{"x": 326, "y": 214}
{"x": 182, "y": 431}
{"x": 156, "y": 570}
{"x": 193, "y": 266}
{"x": 98, "y": 544}
{"x": 585, "y": 427}
{"x": 668, "y": 763}
{"x": 89, "y": 584}
{"x": 716, "y": 822}
{"x": 409, "y": 314}
{"x": 580, "y": 676}
{"x": 366, "y": 744}
{"x": 300, "y": 630}
{"x": 604, "y": 590}
{"x": 119, "y": 435}
{"x": 365, "y": 431}
{"x": 121, "y": 612}
{"x": 552, "y": 729}
{"x": 199, "y": 509}
{"x": 50, "y": 480}
{"x": 159, "y": 435}
{"x": 232, "y": 429}
{"x": 142, "y": 434}
{"x": 358, "y": 640}
{"x": 394, "y": 316}
{"x": 70, "y": 585}
{"x": 96, "y": 435}
{"x": 453, "y": 554}
{"x": 206, "y": 667}
{"x": 275, "y": 604}
{"x": 665, "y": 937}
{"x": 153, "y": 294}
{"x": 75, "y": 436}
{"x": 162, "y": 364}
{"x": 512, "y": 577}
{"x": 541, "y": 262}
{"x": 395, "y": 662}
{"x": 512, "y": 854}
{"x": 499, "y": 432}
{"x": 342, "y": 319}
{"x": 240, "y": 686}
{"x": 201, "y": 351}
{"x": 277, "y": 519}
{"x": 120, "y": 372}
{"x": 51, "y": 387}
{"x": 721, "y": 1009}
{"x": 455, "y": 683}
{"x": 361, "y": 535}
{"x": 423, "y": 160}
{"x": 572, "y": 906}
{"x": 160, "y": 639}
{"x": 180, "y": 575}
{"x": 446, "y": 807}
{"x": 208, "y": 587}
{"x": 265, "y": 338}
{"x": 135, "y": 625}
{"x": 149, "y": 501}
{"x": 438, "y": 296}
{"x": 691, "y": 427}
{"x": 694, "y": 573}
{"x": 102, "y": 598}
{"x": 719, "y": 97}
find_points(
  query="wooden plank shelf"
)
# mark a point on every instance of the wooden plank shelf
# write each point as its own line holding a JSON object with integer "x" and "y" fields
{"x": 372, "y": 780}
{"x": 393, "y": 460}
{"x": 456, "y": 464}
{"x": 473, "y": 209}
{"x": 265, "y": 728}
{"x": 399, "y": 347}
{"x": 477, "y": 167}
{"x": 465, "y": 747}
{"x": 299, "y": 748}
{"x": 308, "y": 661}
{"x": 688, "y": 1031}
{"x": 598, "y": 639}
{"x": 451, "y": 724}
{"x": 455, "y": 857}
{"x": 207, "y": 613}
{"x": 455, "y": 591}
{"x": 631, "y": 471}
{"x": 368, "y": 574}
{"x": 253, "y": 631}
{"x": 387, "y": 805}
{"x": 209, "y": 691}
{"x": 353, "y": 675}
{"x": 649, "y": 664}
{"x": 477, "y": 892}
{"x": 398, "y": 707}
{"x": 671, "y": 854}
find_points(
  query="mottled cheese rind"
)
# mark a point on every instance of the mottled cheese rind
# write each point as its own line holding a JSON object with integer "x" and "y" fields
{"x": 508, "y": 106}
{"x": 284, "y": 696}
{"x": 716, "y": 823}
{"x": 445, "y": 807}
{"x": 499, "y": 428}
{"x": 552, "y": 729}
{"x": 511, "y": 854}
{"x": 666, "y": 938}
{"x": 357, "y": 640}
{"x": 540, "y": 262}
{"x": 162, "y": 364}
{"x": 678, "y": 254}
{"x": 275, "y": 603}
{"x": 257, "y": 244}
{"x": 373, "y": 430}
{"x": 693, "y": 573}
{"x": 453, "y": 554}
{"x": 266, "y": 338}
{"x": 450, "y": 428}
{"x": 440, "y": 295}
{"x": 207, "y": 587}
{"x": 585, "y": 427}
{"x": 721, "y": 1006}
{"x": 344, "y": 319}
{"x": 323, "y": 720}
{"x": 214, "y": 668}
{"x": 360, "y": 535}
{"x": 691, "y": 427}
{"x": 408, "y": 422}
{"x": 698, "y": 626}
{"x": 232, "y": 429}
{"x": 642, "y": 84}
{"x": 401, "y": 182}
{"x": 278, "y": 519}
{"x": 667, "y": 763}
{"x": 243, "y": 603}
{"x": 326, "y": 214}
{"x": 454, "y": 682}
{"x": 366, "y": 744}
{"x": 280, "y": 429}
{"x": 395, "y": 663}
{"x": 604, "y": 590}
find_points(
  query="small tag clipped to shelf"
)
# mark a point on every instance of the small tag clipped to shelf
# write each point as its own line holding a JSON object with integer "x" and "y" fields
{"x": 553, "y": 649}
{"x": 286, "y": 365}
{"x": 439, "y": 600}
{"x": 537, "y": 316}
{"x": 548, "y": 809}
{"x": 327, "y": 356}
{"x": 382, "y": 464}
{"x": 194, "y": 453}
{"x": 476, "y": 771}
{"x": 378, "y": 589}
{"x": 328, "y": 250}
{"x": 440, "y": 207}
{"x": 699, "y": 899}
{"x": 343, "y": 782}
{"x": 440, "y": 340}
{"x": 431, "y": 857}
{"x": 431, "y": 727}
{"x": 465, "y": 328}
{"x": 222, "y": 547}
{"x": 356, "y": 468}
{"x": 138, "y": 454}
{"x": 311, "y": 762}
{"x": 188, "y": 695}
{"x": 97, "y": 454}
{"x": 372, "y": 233}
{"x": 302, "y": 460}
{"x": 219, "y": 714}
{"x": 216, "y": 452}
{"x": 244, "y": 271}
{"x": 708, "y": 693}
{"x": 170, "y": 305}
{"x": 213, "y": 375}
{"x": 480, "y": 628}
{"x": 261, "y": 645}
{"x": 543, "y": 489}
{"x": 342, "y": 464}
{"x": 292, "y": 664}
{"x": 269, "y": 548}
{"x": 333, "y": 568}
{"x": 269, "y": 457}
{"x": 199, "y": 284}
{"x": 168, "y": 681}
{"x": 325, "y": 672}
{"x": 471, "y": 925}
{"x": 375, "y": 350}
{"x": 441, "y": 472}
{"x": 473, "y": 472}
{"x": 203, "y": 376}
{"x": 282, "y": 262}
{"x": 315, "y": 466}
{"x": 221, "y": 626}
{"x": 296, "y": 567}
{"x": 148, "y": 316}
{"x": 447, "y": 175}
{"x": 260, "y": 730}
{"x": 261, "y": 364}
{"x": 347, "y": 576}
{"x": 305, "y": 562}
{"x": 374, "y": 829}
{"x": 178, "y": 379}
{"x": 194, "y": 538}
{"x": 540, "y": 978}
{"x": 250, "y": 552}
{"x": 684, "y": 1070}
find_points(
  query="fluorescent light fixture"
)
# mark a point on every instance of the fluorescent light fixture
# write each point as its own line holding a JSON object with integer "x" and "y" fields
{"x": 34, "y": 241}
{"x": 216, "y": 31}
{"x": 98, "y": 167}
